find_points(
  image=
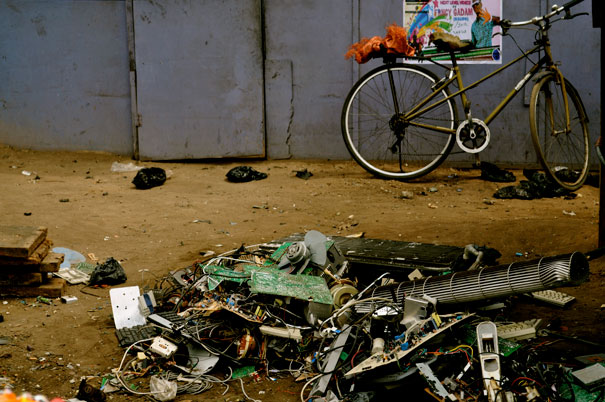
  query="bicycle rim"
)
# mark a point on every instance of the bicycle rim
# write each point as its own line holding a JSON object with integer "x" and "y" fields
{"x": 368, "y": 121}
{"x": 563, "y": 153}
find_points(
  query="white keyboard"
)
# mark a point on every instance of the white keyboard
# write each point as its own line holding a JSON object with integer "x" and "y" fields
{"x": 519, "y": 330}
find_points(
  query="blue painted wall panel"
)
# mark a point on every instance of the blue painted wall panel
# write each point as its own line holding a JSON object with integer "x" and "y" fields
{"x": 64, "y": 75}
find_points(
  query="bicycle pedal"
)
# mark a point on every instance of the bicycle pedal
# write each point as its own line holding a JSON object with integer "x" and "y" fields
{"x": 519, "y": 330}
{"x": 553, "y": 297}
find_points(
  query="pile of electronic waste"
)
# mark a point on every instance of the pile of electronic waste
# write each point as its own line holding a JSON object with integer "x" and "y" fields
{"x": 349, "y": 321}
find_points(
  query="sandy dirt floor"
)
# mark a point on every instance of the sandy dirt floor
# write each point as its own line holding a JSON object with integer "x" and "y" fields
{"x": 88, "y": 208}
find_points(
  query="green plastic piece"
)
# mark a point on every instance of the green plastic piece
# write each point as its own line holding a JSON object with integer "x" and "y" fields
{"x": 243, "y": 372}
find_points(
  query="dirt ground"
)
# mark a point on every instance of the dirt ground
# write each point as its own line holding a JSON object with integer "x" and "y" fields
{"x": 88, "y": 208}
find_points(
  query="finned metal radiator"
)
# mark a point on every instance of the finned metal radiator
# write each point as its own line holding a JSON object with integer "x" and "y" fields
{"x": 491, "y": 282}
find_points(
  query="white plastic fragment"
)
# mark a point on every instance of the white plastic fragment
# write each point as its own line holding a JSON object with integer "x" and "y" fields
{"x": 163, "y": 390}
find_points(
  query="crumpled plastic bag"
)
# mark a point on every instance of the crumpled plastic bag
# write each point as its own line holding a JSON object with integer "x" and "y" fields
{"x": 162, "y": 390}
{"x": 395, "y": 42}
{"x": 491, "y": 172}
{"x": 149, "y": 177}
{"x": 108, "y": 273}
{"x": 241, "y": 174}
{"x": 537, "y": 185}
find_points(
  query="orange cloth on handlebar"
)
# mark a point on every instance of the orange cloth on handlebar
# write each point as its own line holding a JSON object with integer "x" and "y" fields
{"x": 395, "y": 42}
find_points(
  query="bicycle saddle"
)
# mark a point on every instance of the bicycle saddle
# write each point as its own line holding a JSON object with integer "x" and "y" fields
{"x": 450, "y": 43}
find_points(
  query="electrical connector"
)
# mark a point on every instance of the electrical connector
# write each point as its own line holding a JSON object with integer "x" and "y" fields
{"x": 163, "y": 347}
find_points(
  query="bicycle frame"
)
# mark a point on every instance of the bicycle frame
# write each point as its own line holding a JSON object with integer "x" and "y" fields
{"x": 455, "y": 75}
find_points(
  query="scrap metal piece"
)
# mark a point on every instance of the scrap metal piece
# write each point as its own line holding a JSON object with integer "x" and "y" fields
{"x": 434, "y": 382}
{"x": 491, "y": 282}
{"x": 320, "y": 386}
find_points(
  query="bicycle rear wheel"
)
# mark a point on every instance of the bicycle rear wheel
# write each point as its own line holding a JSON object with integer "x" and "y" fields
{"x": 380, "y": 140}
{"x": 563, "y": 153}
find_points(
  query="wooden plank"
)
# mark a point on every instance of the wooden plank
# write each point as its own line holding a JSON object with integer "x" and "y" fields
{"x": 35, "y": 258}
{"x": 20, "y": 241}
{"x": 21, "y": 279}
{"x": 52, "y": 262}
{"x": 54, "y": 288}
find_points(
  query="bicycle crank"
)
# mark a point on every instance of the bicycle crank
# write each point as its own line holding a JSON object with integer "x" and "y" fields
{"x": 472, "y": 138}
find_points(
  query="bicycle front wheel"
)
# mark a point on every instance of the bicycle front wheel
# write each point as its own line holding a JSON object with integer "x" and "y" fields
{"x": 376, "y": 132}
{"x": 562, "y": 148}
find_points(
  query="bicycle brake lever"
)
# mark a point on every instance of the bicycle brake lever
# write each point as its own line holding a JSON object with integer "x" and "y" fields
{"x": 506, "y": 25}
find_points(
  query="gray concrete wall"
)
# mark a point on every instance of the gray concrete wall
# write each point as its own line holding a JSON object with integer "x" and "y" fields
{"x": 65, "y": 82}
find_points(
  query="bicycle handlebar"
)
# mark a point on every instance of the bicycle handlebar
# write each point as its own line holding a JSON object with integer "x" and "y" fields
{"x": 555, "y": 11}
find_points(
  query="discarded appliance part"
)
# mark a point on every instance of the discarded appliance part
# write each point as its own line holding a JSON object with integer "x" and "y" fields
{"x": 68, "y": 299}
{"x": 72, "y": 275}
{"x": 491, "y": 282}
{"x": 517, "y": 331}
{"x": 125, "y": 307}
{"x": 200, "y": 359}
{"x": 163, "y": 347}
{"x": 489, "y": 358}
{"x": 303, "y": 287}
{"x": 342, "y": 293}
{"x": 128, "y": 336}
{"x": 285, "y": 332}
{"x": 415, "y": 309}
{"x": 315, "y": 312}
{"x": 470, "y": 252}
{"x": 403, "y": 348}
{"x": 377, "y": 345}
{"x": 147, "y": 303}
{"x": 320, "y": 387}
{"x": 387, "y": 254}
{"x": 553, "y": 297}
{"x": 591, "y": 377}
{"x": 246, "y": 345}
{"x": 434, "y": 383}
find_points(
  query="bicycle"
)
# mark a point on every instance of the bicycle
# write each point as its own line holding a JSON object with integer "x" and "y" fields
{"x": 400, "y": 121}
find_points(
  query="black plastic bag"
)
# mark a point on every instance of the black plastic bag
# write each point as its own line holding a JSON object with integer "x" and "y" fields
{"x": 491, "y": 172}
{"x": 537, "y": 185}
{"x": 241, "y": 174}
{"x": 149, "y": 177}
{"x": 108, "y": 273}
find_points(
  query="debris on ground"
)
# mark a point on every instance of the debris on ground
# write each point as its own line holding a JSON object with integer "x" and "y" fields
{"x": 491, "y": 172}
{"x": 303, "y": 174}
{"x": 537, "y": 185}
{"x": 119, "y": 167}
{"x": 26, "y": 261}
{"x": 351, "y": 319}
{"x": 108, "y": 273}
{"x": 147, "y": 178}
{"x": 242, "y": 174}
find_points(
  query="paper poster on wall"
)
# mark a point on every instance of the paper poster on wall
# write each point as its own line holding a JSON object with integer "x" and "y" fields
{"x": 474, "y": 21}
